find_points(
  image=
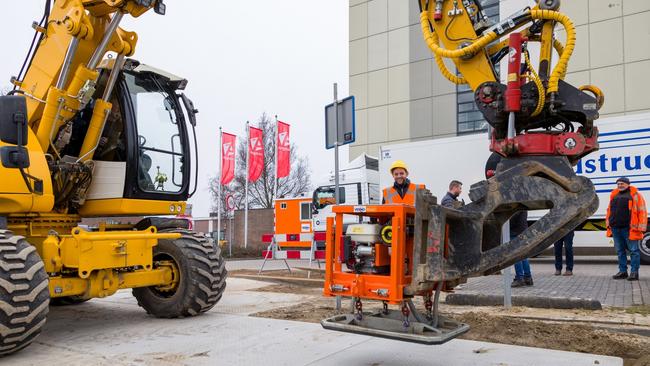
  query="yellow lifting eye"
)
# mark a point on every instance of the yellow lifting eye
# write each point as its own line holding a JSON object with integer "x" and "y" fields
{"x": 387, "y": 234}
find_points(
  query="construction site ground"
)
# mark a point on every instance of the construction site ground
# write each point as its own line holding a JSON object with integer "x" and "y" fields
{"x": 622, "y": 331}
{"x": 274, "y": 322}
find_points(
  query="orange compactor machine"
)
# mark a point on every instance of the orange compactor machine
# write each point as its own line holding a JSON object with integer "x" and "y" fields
{"x": 374, "y": 261}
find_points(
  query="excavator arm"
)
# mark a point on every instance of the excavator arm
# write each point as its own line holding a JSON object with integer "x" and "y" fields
{"x": 56, "y": 82}
{"x": 61, "y": 76}
{"x": 540, "y": 126}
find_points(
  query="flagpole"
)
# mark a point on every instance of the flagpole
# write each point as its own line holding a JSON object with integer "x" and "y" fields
{"x": 219, "y": 191}
{"x": 276, "y": 180}
{"x": 248, "y": 137}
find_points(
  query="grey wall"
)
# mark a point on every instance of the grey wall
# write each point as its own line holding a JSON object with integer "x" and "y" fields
{"x": 399, "y": 96}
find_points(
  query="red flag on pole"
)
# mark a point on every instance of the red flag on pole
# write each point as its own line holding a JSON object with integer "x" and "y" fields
{"x": 255, "y": 154}
{"x": 284, "y": 150}
{"x": 228, "y": 142}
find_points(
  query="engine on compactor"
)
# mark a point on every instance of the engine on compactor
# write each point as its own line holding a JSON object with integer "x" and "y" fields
{"x": 367, "y": 248}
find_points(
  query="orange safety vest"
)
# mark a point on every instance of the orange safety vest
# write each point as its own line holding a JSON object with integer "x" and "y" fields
{"x": 391, "y": 196}
{"x": 638, "y": 214}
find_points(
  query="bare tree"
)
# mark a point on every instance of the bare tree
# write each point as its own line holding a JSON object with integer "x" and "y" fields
{"x": 261, "y": 192}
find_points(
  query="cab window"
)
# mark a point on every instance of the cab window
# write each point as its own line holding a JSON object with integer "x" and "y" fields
{"x": 325, "y": 196}
{"x": 160, "y": 147}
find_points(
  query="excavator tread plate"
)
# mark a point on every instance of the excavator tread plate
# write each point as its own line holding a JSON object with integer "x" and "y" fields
{"x": 391, "y": 326}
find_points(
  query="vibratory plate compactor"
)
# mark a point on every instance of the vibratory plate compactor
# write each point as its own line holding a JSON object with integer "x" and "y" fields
{"x": 396, "y": 253}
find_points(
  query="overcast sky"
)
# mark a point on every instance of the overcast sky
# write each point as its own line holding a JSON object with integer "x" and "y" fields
{"x": 242, "y": 58}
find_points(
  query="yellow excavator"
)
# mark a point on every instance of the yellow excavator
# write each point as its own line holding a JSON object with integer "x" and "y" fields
{"x": 539, "y": 127}
{"x": 88, "y": 132}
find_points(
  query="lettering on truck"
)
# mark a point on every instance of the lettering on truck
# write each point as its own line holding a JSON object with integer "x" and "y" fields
{"x": 622, "y": 153}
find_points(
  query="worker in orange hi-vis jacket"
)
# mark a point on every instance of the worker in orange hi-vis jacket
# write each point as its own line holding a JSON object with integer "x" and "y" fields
{"x": 627, "y": 219}
{"x": 402, "y": 190}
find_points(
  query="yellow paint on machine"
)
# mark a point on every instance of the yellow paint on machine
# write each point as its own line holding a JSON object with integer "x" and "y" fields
{"x": 128, "y": 206}
{"x": 14, "y": 194}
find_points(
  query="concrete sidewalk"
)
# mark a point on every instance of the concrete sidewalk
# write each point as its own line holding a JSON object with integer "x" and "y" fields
{"x": 589, "y": 281}
{"x": 271, "y": 264}
{"x": 115, "y": 331}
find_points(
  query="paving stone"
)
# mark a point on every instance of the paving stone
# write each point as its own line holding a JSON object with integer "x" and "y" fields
{"x": 590, "y": 281}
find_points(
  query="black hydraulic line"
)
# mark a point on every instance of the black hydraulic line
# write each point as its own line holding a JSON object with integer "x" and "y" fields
{"x": 29, "y": 57}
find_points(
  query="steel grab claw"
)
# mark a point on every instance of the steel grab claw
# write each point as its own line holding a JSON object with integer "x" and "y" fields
{"x": 451, "y": 244}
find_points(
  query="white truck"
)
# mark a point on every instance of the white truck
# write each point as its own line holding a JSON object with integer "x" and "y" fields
{"x": 358, "y": 185}
{"x": 624, "y": 151}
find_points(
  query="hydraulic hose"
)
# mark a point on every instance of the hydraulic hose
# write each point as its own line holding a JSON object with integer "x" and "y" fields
{"x": 443, "y": 68}
{"x": 541, "y": 98}
{"x": 467, "y": 51}
{"x": 560, "y": 69}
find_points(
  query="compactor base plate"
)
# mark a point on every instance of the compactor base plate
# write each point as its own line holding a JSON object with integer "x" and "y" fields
{"x": 391, "y": 325}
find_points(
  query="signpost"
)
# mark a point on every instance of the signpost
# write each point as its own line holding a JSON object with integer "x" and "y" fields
{"x": 339, "y": 130}
{"x": 339, "y": 127}
{"x": 507, "y": 274}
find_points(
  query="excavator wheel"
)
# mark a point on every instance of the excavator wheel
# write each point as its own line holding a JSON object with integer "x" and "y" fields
{"x": 200, "y": 277}
{"x": 24, "y": 293}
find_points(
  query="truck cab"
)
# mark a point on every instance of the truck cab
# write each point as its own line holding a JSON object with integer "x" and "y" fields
{"x": 358, "y": 185}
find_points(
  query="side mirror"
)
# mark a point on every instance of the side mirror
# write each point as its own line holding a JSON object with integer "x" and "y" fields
{"x": 13, "y": 130}
{"x": 14, "y": 157}
{"x": 189, "y": 107}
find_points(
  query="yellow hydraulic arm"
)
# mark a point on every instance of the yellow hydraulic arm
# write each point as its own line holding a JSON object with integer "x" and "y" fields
{"x": 60, "y": 78}
{"x": 458, "y": 29}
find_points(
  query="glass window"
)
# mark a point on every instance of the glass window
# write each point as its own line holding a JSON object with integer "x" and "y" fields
{"x": 160, "y": 152}
{"x": 470, "y": 119}
{"x": 305, "y": 211}
{"x": 325, "y": 196}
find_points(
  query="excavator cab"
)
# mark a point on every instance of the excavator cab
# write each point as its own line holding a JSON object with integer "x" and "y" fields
{"x": 146, "y": 139}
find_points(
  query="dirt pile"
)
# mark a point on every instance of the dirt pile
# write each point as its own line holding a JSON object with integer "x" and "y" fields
{"x": 559, "y": 336}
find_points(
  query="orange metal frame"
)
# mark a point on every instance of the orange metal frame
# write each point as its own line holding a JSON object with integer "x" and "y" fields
{"x": 341, "y": 282}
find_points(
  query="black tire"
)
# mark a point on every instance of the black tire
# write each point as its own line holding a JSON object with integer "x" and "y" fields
{"x": 644, "y": 248}
{"x": 24, "y": 293}
{"x": 202, "y": 279}
{"x": 67, "y": 300}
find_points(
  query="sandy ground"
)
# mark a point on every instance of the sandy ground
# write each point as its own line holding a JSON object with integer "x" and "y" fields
{"x": 612, "y": 332}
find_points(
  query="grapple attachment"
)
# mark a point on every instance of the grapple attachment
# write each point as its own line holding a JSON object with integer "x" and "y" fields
{"x": 452, "y": 244}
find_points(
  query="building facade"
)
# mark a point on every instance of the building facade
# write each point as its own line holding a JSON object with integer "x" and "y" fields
{"x": 401, "y": 96}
